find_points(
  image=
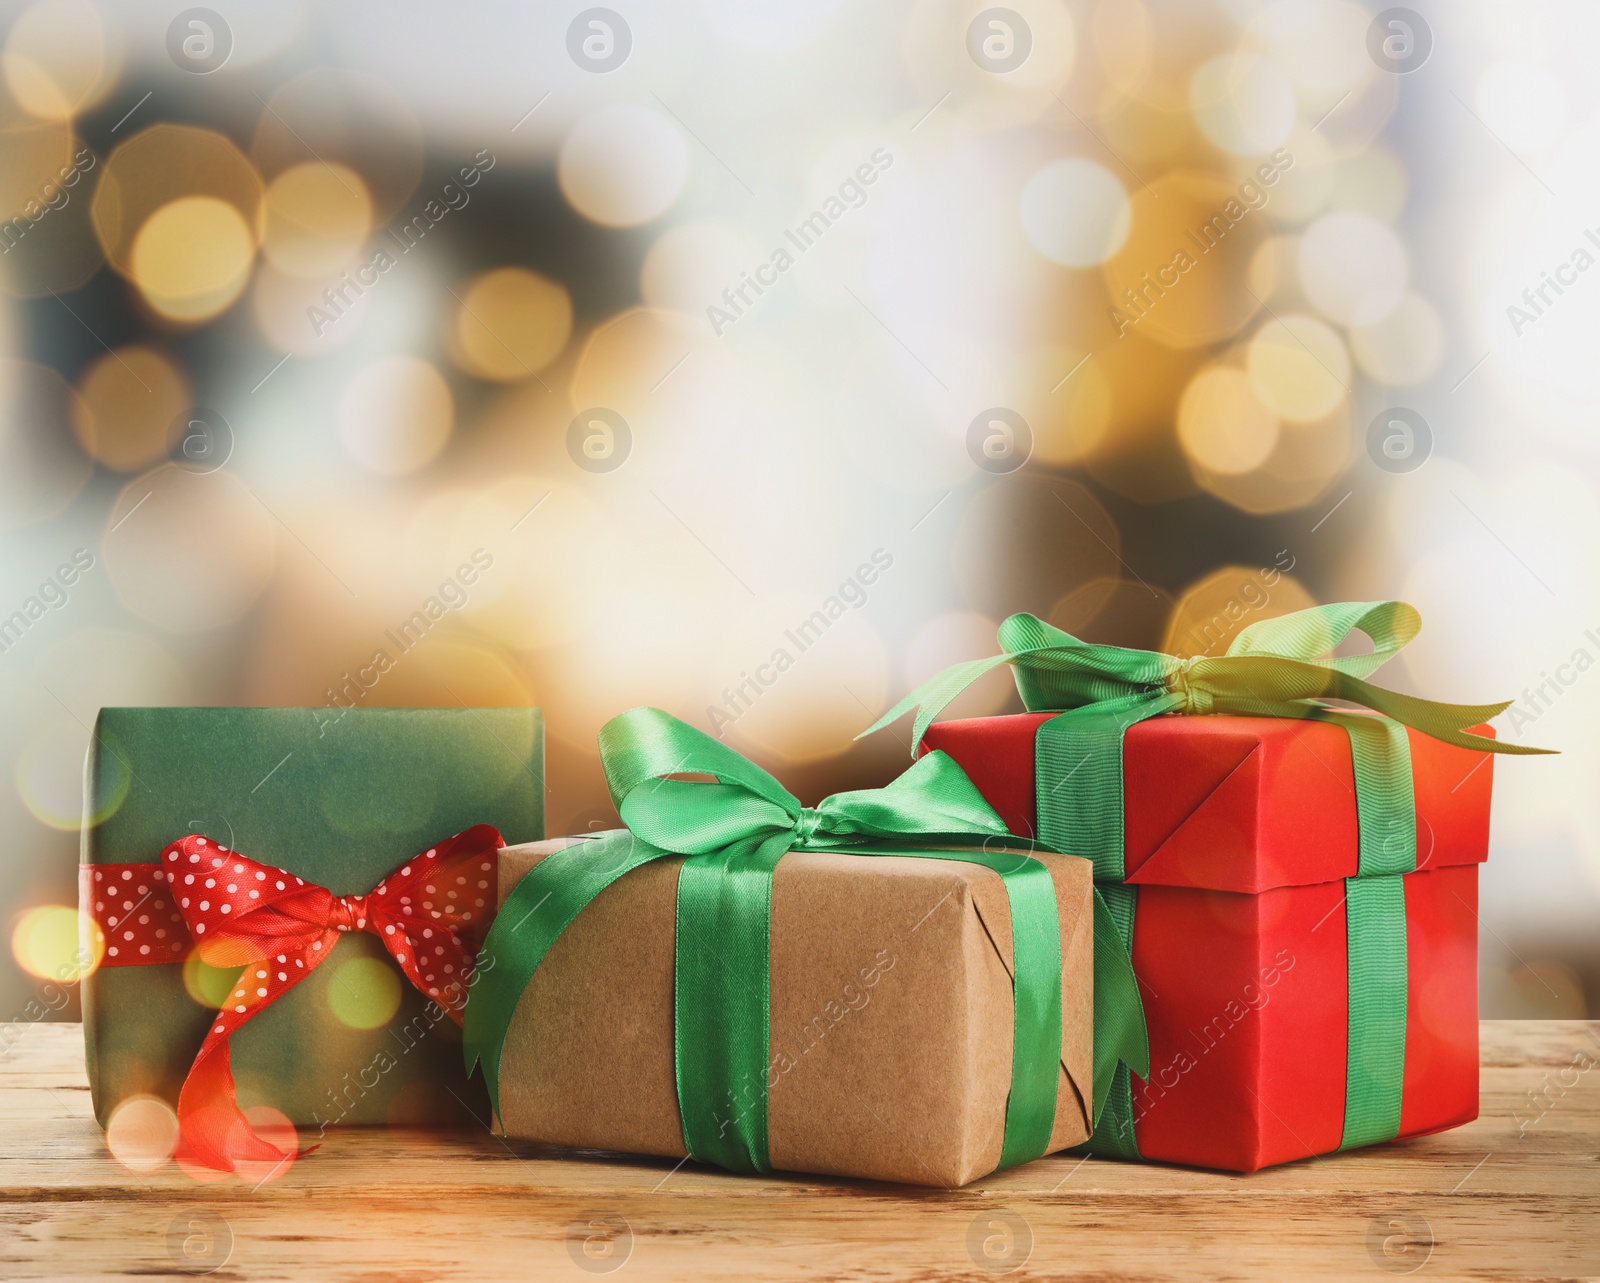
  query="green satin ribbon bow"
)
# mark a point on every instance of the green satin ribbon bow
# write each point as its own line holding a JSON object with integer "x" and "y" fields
{"x": 1281, "y": 667}
{"x": 734, "y": 831}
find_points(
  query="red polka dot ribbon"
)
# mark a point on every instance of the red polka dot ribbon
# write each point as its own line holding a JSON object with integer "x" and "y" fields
{"x": 430, "y": 913}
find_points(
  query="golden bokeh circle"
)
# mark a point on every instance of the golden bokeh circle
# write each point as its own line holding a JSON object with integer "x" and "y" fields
{"x": 1305, "y": 461}
{"x": 349, "y": 121}
{"x": 56, "y": 59}
{"x": 191, "y": 259}
{"x": 128, "y": 407}
{"x": 1181, "y": 277}
{"x": 1214, "y": 609}
{"x": 47, "y": 943}
{"x": 165, "y": 164}
{"x": 33, "y": 157}
{"x": 1299, "y": 367}
{"x": 1222, "y": 425}
{"x": 510, "y": 324}
{"x": 318, "y": 216}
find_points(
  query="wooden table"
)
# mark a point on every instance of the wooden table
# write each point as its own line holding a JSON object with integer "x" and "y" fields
{"x": 1516, "y": 1193}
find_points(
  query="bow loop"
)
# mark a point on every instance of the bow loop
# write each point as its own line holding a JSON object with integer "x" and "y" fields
{"x": 1281, "y": 667}
{"x": 646, "y": 750}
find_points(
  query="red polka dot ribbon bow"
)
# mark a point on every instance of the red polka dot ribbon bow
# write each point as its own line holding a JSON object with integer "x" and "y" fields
{"x": 430, "y": 914}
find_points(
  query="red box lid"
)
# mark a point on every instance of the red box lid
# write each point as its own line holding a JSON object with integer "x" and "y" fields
{"x": 1238, "y": 803}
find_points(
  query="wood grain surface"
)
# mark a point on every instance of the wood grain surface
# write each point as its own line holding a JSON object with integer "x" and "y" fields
{"x": 1516, "y": 1193}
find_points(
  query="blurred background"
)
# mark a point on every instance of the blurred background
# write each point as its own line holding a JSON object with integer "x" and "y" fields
{"x": 755, "y": 359}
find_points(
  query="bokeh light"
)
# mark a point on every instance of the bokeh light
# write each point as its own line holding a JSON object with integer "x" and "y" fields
{"x": 186, "y": 551}
{"x": 510, "y": 324}
{"x": 1242, "y": 103}
{"x": 395, "y": 415}
{"x": 1353, "y": 268}
{"x": 56, "y": 59}
{"x": 129, "y": 403}
{"x": 317, "y": 218}
{"x": 1180, "y": 278}
{"x": 192, "y": 257}
{"x": 46, "y": 942}
{"x": 1221, "y": 423}
{"x": 142, "y": 1133}
{"x": 1214, "y": 609}
{"x": 1299, "y": 368}
{"x": 347, "y": 122}
{"x": 363, "y": 993}
{"x": 1405, "y": 347}
{"x": 182, "y": 172}
{"x": 1075, "y": 213}
{"x": 49, "y": 773}
{"x": 207, "y": 985}
{"x": 623, "y": 165}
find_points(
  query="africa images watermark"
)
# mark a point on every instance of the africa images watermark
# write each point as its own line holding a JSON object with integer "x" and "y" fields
{"x": 1254, "y": 594}
{"x": 850, "y": 595}
{"x": 451, "y": 595}
{"x": 850, "y": 194}
{"x": 53, "y": 195}
{"x": 748, "y": 1094}
{"x": 341, "y": 296}
{"x": 1549, "y": 1094}
{"x": 343, "y": 1099}
{"x": 1536, "y": 298}
{"x": 53, "y": 594}
{"x": 1252, "y": 196}
{"x": 1252, "y": 997}
{"x": 1539, "y": 699}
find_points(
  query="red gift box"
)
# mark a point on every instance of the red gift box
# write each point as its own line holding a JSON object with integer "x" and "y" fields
{"x": 1238, "y": 835}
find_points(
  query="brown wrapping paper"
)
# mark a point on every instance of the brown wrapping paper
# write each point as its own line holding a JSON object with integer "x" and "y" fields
{"x": 891, "y": 1017}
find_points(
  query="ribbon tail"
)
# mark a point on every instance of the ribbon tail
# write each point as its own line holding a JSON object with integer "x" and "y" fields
{"x": 537, "y": 911}
{"x": 1120, "y": 1033}
{"x": 1447, "y": 723}
{"x": 931, "y": 697}
{"x": 212, "y": 1129}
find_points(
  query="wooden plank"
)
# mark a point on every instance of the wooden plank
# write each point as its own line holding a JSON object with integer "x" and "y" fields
{"x": 1515, "y": 1193}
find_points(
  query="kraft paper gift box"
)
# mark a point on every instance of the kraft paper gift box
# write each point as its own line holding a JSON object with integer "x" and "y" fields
{"x": 332, "y": 803}
{"x": 885, "y": 982}
{"x": 1296, "y": 882}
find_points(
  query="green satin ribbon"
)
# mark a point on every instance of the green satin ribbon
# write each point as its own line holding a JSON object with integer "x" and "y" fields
{"x": 1281, "y": 667}
{"x": 734, "y": 831}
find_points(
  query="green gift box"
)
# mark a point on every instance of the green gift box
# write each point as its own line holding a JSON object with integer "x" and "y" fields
{"x": 341, "y": 802}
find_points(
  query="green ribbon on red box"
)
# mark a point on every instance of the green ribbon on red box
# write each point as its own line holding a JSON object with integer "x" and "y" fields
{"x": 1282, "y": 667}
{"x": 734, "y": 830}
